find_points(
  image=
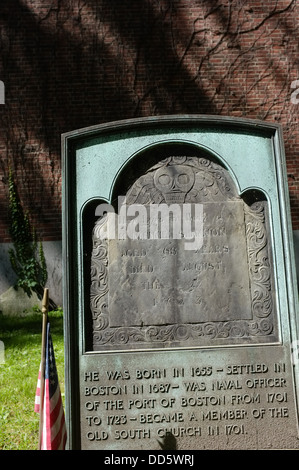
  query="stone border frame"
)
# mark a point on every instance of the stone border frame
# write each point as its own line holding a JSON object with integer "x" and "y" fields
{"x": 75, "y": 337}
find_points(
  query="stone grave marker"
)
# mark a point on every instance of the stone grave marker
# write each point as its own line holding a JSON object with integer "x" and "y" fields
{"x": 180, "y": 293}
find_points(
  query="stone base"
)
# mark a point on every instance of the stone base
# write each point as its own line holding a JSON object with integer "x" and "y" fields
{"x": 14, "y": 302}
{"x": 53, "y": 255}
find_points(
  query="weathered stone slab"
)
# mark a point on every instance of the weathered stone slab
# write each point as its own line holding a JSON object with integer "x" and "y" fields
{"x": 161, "y": 293}
{"x": 160, "y": 282}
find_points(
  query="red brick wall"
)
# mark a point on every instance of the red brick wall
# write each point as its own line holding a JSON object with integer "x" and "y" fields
{"x": 68, "y": 64}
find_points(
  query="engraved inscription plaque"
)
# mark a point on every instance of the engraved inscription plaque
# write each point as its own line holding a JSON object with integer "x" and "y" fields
{"x": 154, "y": 291}
{"x": 187, "y": 401}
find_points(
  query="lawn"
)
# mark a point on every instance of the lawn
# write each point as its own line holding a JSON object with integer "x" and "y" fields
{"x": 21, "y": 336}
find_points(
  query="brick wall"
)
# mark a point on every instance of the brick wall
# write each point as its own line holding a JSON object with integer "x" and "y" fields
{"x": 68, "y": 64}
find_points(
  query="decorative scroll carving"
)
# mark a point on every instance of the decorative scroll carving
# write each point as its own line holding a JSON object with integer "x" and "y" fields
{"x": 176, "y": 334}
{"x": 258, "y": 260}
{"x": 99, "y": 279}
{"x": 182, "y": 179}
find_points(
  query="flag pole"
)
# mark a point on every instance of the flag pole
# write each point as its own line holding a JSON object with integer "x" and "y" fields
{"x": 45, "y": 306}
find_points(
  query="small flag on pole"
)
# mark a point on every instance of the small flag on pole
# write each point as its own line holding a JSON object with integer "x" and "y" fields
{"x": 48, "y": 402}
{"x": 53, "y": 432}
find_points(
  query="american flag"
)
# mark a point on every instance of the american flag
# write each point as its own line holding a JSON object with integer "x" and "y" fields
{"x": 53, "y": 432}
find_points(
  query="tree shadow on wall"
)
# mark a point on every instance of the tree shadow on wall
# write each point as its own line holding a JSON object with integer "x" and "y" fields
{"x": 68, "y": 65}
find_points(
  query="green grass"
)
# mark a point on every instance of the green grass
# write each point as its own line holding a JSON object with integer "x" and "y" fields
{"x": 19, "y": 424}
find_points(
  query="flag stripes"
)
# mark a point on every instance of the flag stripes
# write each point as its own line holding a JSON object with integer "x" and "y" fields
{"x": 53, "y": 433}
{"x": 37, "y": 394}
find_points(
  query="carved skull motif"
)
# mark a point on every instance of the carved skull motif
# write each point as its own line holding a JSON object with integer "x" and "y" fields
{"x": 174, "y": 182}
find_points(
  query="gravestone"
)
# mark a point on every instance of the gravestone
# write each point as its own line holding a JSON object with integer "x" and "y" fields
{"x": 180, "y": 292}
